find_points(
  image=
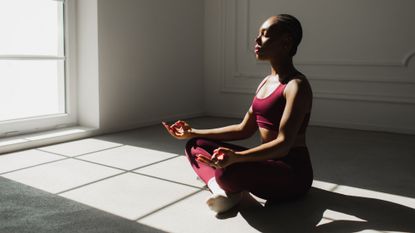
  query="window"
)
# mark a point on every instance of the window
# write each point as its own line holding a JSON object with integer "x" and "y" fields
{"x": 35, "y": 82}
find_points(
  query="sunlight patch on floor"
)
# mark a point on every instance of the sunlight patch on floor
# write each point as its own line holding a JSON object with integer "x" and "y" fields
{"x": 140, "y": 183}
{"x": 331, "y": 215}
{"x": 353, "y": 191}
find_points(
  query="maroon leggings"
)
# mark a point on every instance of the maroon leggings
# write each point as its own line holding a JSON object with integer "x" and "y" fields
{"x": 278, "y": 179}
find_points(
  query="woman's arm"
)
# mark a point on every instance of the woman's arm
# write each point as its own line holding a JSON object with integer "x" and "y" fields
{"x": 226, "y": 133}
{"x": 239, "y": 131}
{"x": 298, "y": 97}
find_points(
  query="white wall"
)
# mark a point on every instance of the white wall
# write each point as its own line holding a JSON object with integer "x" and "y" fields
{"x": 87, "y": 63}
{"x": 150, "y": 61}
{"x": 165, "y": 60}
{"x": 358, "y": 56}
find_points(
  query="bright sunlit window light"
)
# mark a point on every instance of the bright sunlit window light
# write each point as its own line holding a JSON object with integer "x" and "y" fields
{"x": 32, "y": 59}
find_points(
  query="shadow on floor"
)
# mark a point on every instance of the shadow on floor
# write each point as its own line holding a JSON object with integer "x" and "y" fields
{"x": 342, "y": 156}
{"x": 303, "y": 215}
{"x": 26, "y": 209}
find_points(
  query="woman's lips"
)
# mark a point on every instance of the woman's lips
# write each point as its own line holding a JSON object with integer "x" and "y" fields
{"x": 257, "y": 48}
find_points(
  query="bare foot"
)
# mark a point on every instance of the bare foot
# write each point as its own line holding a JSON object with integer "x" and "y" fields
{"x": 220, "y": 203}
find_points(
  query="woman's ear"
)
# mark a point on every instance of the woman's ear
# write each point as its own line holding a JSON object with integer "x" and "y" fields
{"x": 288, "y": 42}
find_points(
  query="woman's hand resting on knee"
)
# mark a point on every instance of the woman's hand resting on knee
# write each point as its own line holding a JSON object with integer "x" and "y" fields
{"x": 221, "y": 158}
{"x": 179, "y": 130}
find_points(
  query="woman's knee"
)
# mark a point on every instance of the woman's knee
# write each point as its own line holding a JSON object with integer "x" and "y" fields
{"x": 228, "y": 179}
{"x": 188, "y": 147}
{"x": 192, "y": 144}
{"x": 206, "y": 144}
{"x": 197, "y": 141}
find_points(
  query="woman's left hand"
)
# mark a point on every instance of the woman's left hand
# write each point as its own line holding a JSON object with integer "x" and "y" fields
{"x": 221, "y": 158}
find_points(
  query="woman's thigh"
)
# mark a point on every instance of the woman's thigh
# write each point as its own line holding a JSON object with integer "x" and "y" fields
{"x": 205, "y": 148}
{"x": 266, "y": 179}
{"x": 208, "y": 145}
{"x": 271, "y": 179}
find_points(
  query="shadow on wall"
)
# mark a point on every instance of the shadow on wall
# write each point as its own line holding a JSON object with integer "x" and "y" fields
{"x": 303, "y": 215}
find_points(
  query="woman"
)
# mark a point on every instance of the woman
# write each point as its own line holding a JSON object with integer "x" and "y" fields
{"x": 278, "y": 169}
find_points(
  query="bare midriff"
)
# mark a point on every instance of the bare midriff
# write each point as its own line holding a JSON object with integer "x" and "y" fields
{"x": 269, "y": 135}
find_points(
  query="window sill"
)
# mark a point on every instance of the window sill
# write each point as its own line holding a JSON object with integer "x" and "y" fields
{"x": 28, "y": 141}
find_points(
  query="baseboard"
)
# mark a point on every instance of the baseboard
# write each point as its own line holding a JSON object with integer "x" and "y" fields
{"x": 29, "y": 141}
{"x": 365, "y": 127}
{"x": 151, "y": 122}
{"x": 226, "y": 115}
{"x": 45, "y": 138}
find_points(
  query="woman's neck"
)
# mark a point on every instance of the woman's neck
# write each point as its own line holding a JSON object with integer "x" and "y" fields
{"x": 283, "y": 69}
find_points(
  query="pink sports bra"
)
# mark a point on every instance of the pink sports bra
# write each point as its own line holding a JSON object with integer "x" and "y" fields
{"x": 268, "y": 111}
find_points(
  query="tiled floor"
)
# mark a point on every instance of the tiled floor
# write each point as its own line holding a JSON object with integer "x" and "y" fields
{"x": 143, "y": 175}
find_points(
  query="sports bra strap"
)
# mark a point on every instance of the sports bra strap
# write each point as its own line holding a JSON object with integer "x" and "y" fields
{"x": 262, "y": 84}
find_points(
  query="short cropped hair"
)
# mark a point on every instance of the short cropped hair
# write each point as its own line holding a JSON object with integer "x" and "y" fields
{"x": 290, "y": 24}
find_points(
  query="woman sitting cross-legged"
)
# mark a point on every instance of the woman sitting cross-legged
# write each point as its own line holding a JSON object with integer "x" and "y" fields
{"x": 280, "y": 167}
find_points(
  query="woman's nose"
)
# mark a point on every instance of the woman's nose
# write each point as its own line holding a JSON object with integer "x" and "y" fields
{"x": 258, "y": 40}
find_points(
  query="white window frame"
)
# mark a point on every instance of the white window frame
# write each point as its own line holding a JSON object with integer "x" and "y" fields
{"x": 69, "y": 118}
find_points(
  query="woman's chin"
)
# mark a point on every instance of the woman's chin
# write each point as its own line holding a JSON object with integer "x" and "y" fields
{"x": 259, "y": 57}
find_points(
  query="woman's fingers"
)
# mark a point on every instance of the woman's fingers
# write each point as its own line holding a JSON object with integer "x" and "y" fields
{"x": 178, "y": 124}
{"x": 203, "y": 160}
{"x": 179, "y": 130}
{"x": 181, "y": 125}
{"x": 218, "y": 154}
{"x": 171, "y": 130}
{"x": 206, "y": 161}
{"x": 166, "y": 126}
{"x": 221, "y": 148}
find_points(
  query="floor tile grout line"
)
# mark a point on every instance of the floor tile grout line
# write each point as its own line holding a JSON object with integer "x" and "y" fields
{"x": 143, "y": 166}
{"x": 132, "y": 172}
{"x": 57, "y": 160}
{"x": 163, "y": 160}
{"x": 100, "y": 164}
{"x": 172, "y": 181}
{"x": 125, "y": 172}
{"x": 36, "y": 165}
{"x": 92, "y": 182}
{"x": 66, "y": 157}
{"x": 170, "y": 204}
{"x": 80, "y": 154}
{"x": 76, "y": 158}
{"x": 93, "y": 152}
{"x": 96, "y": 163}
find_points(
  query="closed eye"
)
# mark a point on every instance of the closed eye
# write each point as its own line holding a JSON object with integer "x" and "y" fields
{"x": 264, "y": 32}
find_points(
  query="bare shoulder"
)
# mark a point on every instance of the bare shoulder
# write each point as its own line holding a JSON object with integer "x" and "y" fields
{"x": 298, "y": 85}
{"x": 299, "y": 90}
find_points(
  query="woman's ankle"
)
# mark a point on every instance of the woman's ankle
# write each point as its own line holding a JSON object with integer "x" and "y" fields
{"x": 220, "y": 204}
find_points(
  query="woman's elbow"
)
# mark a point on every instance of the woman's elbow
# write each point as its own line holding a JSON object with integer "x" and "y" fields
{"x": 246, "y": 132}
{"x": 283, "y": 144}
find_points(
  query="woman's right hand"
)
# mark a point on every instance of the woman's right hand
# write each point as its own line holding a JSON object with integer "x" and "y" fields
{"x": 179, "y": 130}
